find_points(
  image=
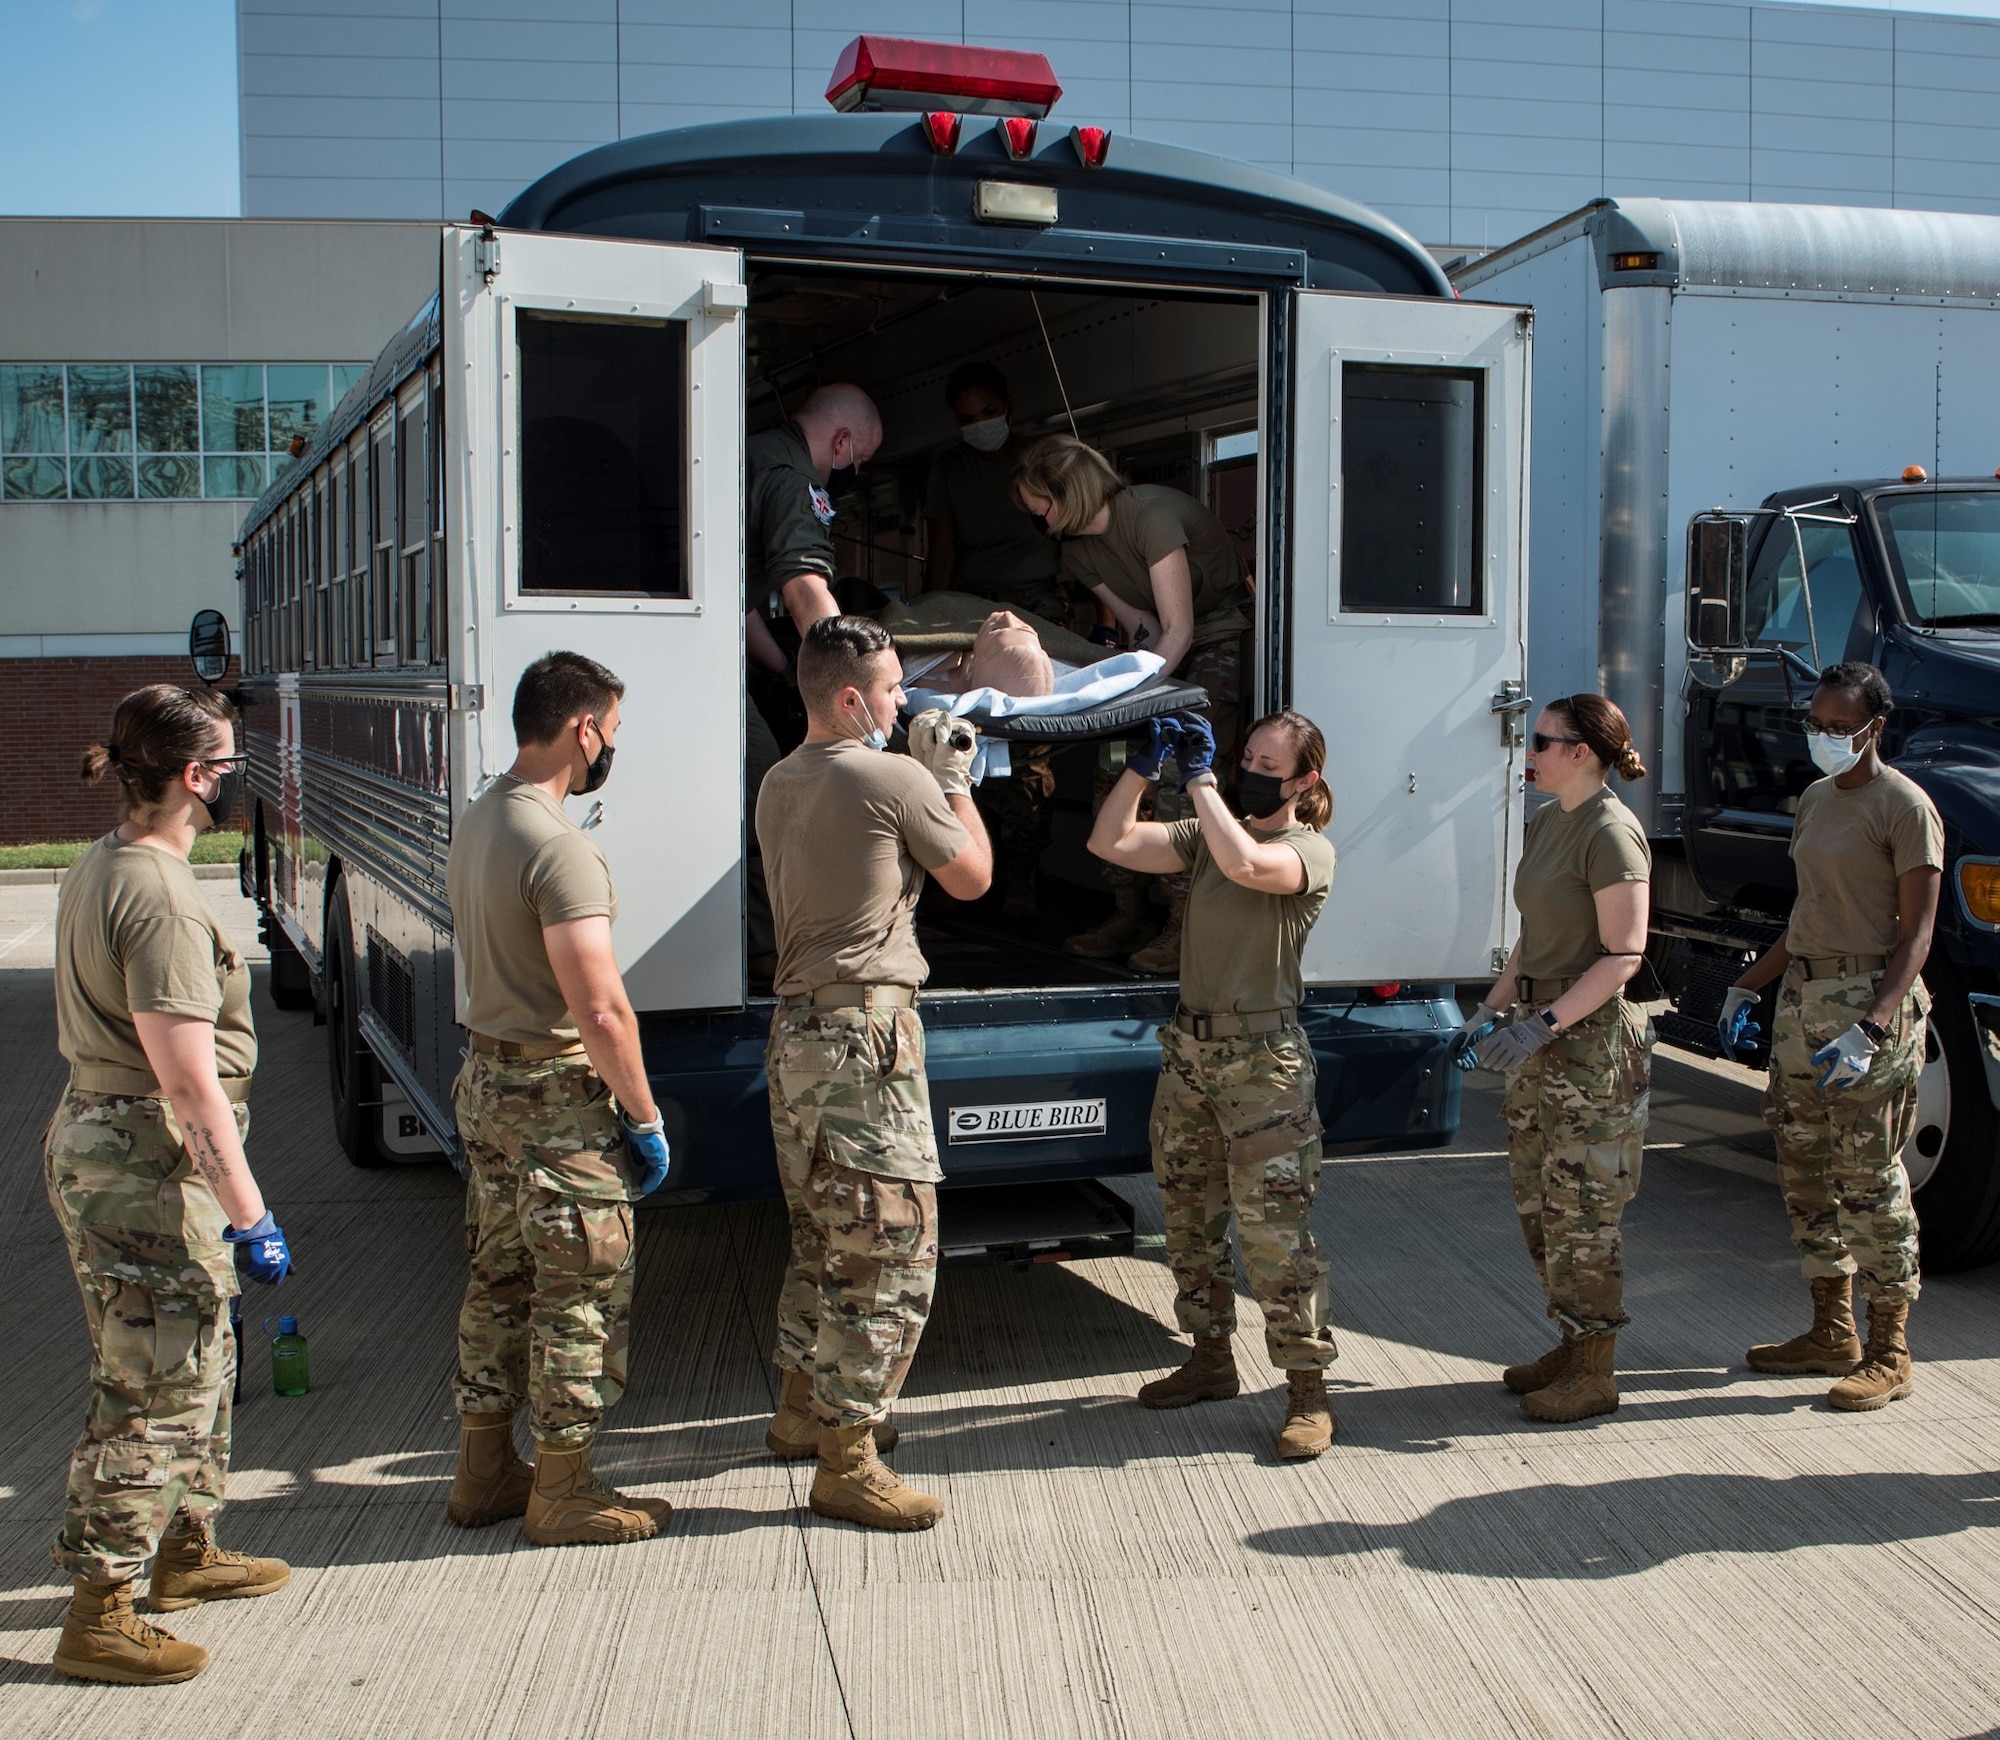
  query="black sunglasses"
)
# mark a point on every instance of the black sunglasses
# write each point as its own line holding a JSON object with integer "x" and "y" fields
{"x": 1544, "y": 744}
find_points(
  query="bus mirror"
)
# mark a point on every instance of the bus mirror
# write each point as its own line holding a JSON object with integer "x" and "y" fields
{"x": 208, "y": 645}
{"x": 1717, "y": 564}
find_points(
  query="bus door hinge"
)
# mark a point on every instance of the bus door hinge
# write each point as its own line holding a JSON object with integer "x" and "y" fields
{"x": 467, "y": 697}
{"x": 1510, "y": 706}
{"x": 486, "y": 255}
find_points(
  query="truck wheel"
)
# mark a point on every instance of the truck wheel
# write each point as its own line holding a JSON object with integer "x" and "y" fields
{"x": 291, "y": 978}
{"x": 354, "y": 1077}
{"x": 1954, "y": 1156}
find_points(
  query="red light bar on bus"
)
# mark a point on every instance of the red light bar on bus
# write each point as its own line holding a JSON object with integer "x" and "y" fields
{"x": 889, "y": 72}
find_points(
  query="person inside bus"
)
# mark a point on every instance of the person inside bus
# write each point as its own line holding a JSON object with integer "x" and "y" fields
{"x": 981, "y": 540}
{"x": 789, "y": 569}
{"x": 1847, "y": 1042}
{"x": 1236, "y": 1116}
{"x": 559, "y": 1127}
{"x": 149, "y": 1182}
{"x": 1165, "y": 568}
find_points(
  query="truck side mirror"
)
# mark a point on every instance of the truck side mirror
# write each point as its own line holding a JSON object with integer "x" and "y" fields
{"x": 1717, "y": 571}
{"x": 208, "y": 645}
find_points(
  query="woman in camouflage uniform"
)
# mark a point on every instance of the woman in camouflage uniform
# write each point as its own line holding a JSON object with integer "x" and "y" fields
{"x": 1165, "y": 568}
{"x": 1847, "y": 1043}
{"x": 156, "y": 1201}
{"x": 1236, "y": 1117}
{"x": 1577, "y": 1054}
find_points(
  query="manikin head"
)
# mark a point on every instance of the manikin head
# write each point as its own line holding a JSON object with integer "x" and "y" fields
{"x": 1007, "y": 655}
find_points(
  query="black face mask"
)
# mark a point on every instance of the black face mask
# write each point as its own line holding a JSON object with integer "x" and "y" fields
{"x": 840, "y": 479}
{"x": 222, "y": 807}
{"x": 1256, "y": 794}
{"x": 596, "y": 773}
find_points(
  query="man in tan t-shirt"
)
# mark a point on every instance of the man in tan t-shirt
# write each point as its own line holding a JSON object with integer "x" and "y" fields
{"x": 559, "y": 1127}
{"x": 848, "y": 834}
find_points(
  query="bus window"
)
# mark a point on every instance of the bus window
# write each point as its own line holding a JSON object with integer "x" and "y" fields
{"x": 414, "y": 623}
{"x": 603, "y": 456}
{"x": 382, "y": 535}
{"x": 434, "y": 424}
{"x": 1409, "y": 495}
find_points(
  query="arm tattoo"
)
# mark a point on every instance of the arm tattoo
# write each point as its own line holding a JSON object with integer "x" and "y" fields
{"x": 207, "y": 1153}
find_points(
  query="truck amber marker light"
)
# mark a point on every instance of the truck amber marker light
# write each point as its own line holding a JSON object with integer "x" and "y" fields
{"x": 891, "y": 72}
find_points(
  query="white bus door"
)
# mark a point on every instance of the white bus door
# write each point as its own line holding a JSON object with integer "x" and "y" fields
{"x": 594, "y": 417}
{"x": 1409, "y": 527}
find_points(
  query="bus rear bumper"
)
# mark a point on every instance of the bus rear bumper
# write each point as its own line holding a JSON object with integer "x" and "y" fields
{"x": 1049, "y": 1086}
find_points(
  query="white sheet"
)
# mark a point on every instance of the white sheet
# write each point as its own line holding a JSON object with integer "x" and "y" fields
{"x": 1077, "y": 688}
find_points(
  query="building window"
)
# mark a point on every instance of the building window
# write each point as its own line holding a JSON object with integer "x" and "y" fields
{"x": 158, "y": 431}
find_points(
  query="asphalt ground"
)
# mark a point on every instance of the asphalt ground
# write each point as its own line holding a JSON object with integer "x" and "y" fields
{"x": 1723, "y": 1556}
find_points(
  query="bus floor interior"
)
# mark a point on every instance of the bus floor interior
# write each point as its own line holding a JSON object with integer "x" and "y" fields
{"x": 1165, "y": 383}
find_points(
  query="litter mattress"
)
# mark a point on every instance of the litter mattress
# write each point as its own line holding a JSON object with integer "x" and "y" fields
{"x": 1114, "y": 718}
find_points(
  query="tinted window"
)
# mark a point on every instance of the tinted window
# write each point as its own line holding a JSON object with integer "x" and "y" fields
{"x": 602, "y": 456}
{"x": 1409, "y": 490}
{"x": 1776, "y": 609}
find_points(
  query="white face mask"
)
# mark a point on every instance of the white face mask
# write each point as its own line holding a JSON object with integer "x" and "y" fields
{"x": 874, "y": 737}
{"x": 988, "y": 436}
{"x": 1833, "y": 755}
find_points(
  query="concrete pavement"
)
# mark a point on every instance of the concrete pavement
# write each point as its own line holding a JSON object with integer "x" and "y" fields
{"x": 1723, "y": 1556}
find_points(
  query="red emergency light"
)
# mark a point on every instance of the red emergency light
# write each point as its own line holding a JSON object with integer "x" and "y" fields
{"x": 890, "y": 72}
{"x": 1093, "y": 145}
{"x": 941, "y": 128}
{"x": 1017, "y": 133}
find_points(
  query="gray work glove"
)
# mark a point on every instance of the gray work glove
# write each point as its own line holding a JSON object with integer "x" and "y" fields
{"x": 946, "y": 746}
{"x": 1505, "y": 1051}
{"x": 1480, "y": 1024}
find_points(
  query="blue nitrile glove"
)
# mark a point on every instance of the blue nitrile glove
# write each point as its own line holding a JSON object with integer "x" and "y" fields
{"x": 1734, "y": 1028}
{"x": 1844, "y": 1061}
{"x": 1103, "y": 634}
{"x": 1143, "y": 755}
{"x": 1505, "y": 1051}
{"x": 1197, "y": 747}
{"x": 1476, "y": 1026}
{"x": 647, "y": 1144}
{"x": 261, "y": 1251}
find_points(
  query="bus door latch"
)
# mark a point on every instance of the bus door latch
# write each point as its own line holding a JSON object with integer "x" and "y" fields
{"x": 1510, "y": 706}
{"x": 467, "y": 697}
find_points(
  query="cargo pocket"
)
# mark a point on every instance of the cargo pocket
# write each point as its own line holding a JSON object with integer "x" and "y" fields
{"x": 1275, "y": 1168}
{"x": 572, "y": 1236}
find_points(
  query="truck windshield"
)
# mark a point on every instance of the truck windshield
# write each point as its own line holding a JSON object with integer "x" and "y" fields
{"x": 1946, "y": 549}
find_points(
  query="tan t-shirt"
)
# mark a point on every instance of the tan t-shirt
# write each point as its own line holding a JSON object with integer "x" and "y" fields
{"x": 1566, "y": 858}
{"x": 135, "y": 936}
{"x": 847, "y": 834}
{"x": 1240, "y": 947}
{"x": 1848, "y": 848}
{"x": 518, "y": 864}
{"x": 1149, "y": 522}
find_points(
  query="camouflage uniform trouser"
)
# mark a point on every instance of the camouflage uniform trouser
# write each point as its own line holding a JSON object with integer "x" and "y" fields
{"x": 548, "y": 1228}
{"x": 1840, "y": 1153}
{"x": 144, "y": 1232}
{"x": 849, "y": 1099}
{"x": 1216, "y": 666}
{"x": 1236, "y": 1126}
{"x": 1017, "y": 807}
{"x": 1576, "y": 1130}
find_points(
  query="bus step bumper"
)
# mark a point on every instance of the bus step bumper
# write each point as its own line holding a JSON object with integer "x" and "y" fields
{"x": 1019, "y": 1224}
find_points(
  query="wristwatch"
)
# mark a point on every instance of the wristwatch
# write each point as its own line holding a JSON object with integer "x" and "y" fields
{"x": 1876, "y": 1033}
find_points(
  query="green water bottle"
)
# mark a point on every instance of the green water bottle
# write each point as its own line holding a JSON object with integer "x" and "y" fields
{"x": 289, "y": 1373}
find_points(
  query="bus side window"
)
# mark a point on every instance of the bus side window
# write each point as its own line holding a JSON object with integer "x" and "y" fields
{"x": 358, "y": 646}
{"x": 434, "y": 429}
{"x": 382, "y": 534}
{"x": 413, "y": 630}
{"x": 603, "y": 456}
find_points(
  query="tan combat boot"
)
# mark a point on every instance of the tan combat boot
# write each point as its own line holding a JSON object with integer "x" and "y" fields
{"x": 492, "y": 1483}
{"x": 190, "y": 1567}
{"x": 1122, "y": 932}
{"x": 1163, "y": 954}
{"x": 1885, "y": 1374}
{"x": 569, "y": 1506}
{"x": 852, "y": 1485}
{"x": 794, "y": 1432}
{"x": 1309, "y": 1421}
{"x": 1208, "y": 1376}
{"x": 1829, "y": 1346}
{"x": 103, "y": 1639}
{"x": 1586, "y": 1386}
{"x": 1538, "y": 1374}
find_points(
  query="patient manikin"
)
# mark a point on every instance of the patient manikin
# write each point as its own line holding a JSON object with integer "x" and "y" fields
{"x": 1005, "y": 655}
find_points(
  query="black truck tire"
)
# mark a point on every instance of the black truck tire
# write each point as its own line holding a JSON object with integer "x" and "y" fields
{"x": 1958, "y": 1208}
{"x": 354, "y": 1078}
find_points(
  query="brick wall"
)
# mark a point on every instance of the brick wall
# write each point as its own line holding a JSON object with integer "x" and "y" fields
{"x": 51, "y": 710}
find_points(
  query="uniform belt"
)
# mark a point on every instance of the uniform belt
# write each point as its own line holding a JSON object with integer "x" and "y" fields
{"x": 517, "y": 1052}
{"x": 1529, "y": 990}
{"x": 139, "y": 1084}
{"x": 852, "y": 997}
{"x": 1199, "y": 1026}
{"x": 1839, "y": 966}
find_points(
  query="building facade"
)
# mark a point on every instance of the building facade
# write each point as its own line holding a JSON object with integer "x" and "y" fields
{"x": 153, "y": 374}
{"x": 1469, "y": 122}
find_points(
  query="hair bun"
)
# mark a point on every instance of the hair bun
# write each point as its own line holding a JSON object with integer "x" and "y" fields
{"x": 1629, "y": 764}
